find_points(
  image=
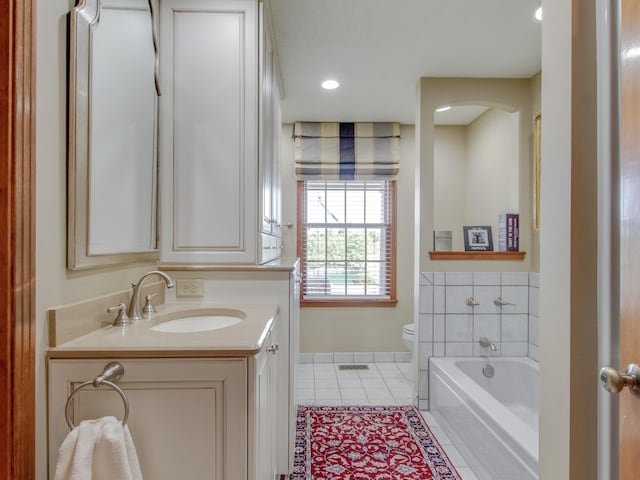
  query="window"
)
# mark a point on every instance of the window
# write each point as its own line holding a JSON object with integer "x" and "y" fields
{"x": 346, "y": 239}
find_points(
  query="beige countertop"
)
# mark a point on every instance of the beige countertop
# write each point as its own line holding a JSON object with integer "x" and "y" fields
{"x": 138, "y": 340}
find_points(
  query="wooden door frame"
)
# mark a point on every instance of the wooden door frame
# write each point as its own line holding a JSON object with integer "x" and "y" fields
{"x": 17, "y": 239}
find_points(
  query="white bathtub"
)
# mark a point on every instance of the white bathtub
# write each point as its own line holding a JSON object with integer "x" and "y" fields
{"x": 492, "y": 421}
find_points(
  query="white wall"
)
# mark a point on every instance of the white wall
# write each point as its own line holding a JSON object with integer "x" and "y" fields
{"x": 56, "y": 285}
{"x": 376, "y": 329}
{"x": 555, "y": 248}
{"x": 568, "y": 241}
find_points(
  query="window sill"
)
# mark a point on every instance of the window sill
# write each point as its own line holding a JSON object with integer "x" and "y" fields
{"x": 371, "y": 303}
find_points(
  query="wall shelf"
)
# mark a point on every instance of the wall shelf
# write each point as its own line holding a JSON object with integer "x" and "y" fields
{"x": 477, "y": 255}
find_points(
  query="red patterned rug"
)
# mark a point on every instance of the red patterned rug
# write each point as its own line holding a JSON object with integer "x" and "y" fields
{"x": 367, "y": 443}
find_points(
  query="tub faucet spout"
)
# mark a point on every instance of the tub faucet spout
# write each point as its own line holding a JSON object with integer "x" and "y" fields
{"x": 485, "y": 342}
{"x": 133, "y": 312}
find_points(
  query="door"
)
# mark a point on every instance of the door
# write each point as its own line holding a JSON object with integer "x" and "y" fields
{"x": 630, "y": 234}
{"x": 628, "y": 419}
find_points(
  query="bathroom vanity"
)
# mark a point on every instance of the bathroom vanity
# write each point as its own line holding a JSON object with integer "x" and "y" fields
{"x": 201, "y": 403}
{"x": 214, "y": 404}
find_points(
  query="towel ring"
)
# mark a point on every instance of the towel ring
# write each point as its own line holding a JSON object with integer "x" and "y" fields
{"x": 113, "y": 371}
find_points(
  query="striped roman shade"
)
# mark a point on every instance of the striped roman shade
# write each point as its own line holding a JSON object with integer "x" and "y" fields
{"x": 346, "y": 151}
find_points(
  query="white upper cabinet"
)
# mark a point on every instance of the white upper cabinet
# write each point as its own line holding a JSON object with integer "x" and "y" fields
{"x": 210, "y": 185}
{"x": 270, "y": 122}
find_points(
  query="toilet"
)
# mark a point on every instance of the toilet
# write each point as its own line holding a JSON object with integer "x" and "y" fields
{"x": 408, "y": 335}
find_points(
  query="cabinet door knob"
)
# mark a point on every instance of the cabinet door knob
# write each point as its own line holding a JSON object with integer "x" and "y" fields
{"x": 273, "y": 348}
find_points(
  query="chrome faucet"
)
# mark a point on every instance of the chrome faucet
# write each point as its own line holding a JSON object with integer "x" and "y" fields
{"x": 485, "y": 342}
{"x": 133, "y": 312}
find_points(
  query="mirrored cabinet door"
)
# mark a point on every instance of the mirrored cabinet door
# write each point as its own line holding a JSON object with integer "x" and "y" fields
{"x": 113, "y": 105}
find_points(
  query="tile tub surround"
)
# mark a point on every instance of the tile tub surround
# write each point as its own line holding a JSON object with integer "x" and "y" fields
{"x": 447, "y": 326}
{"x": 534, "y": 316}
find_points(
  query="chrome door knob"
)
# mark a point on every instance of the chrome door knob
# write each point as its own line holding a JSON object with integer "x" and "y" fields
{"x": 614, "y": 381}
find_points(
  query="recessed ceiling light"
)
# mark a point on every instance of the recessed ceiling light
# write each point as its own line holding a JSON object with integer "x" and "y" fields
{"x": 538, "y": 14}
{"x": 443, "y": 109}
{"x": 330, "y": 84}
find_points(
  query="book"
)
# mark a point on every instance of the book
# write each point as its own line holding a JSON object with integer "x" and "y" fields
{"x": 508, "y": 232}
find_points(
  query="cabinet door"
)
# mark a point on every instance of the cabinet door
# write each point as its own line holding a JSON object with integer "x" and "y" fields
{"x": 270, "y": 125}
{"x": 276, "y": 182}
{"x": 187, "y": 416}
{"x": 265, "y": 397}
{"x": 266, "y": 127}
{"x": 208, "y": 131}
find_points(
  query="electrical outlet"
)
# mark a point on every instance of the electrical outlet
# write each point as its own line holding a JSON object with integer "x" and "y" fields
{"x": 189, "y": 287}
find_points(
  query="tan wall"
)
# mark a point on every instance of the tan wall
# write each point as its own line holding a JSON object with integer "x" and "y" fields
{"x": 508, "y": 94}
{"x": 475, "y": 173}
{"x": 56, "y": 285}
{"x": 359, "y": 329}
{"x": 450, "y": 169}
{"x": 492, "y": 169}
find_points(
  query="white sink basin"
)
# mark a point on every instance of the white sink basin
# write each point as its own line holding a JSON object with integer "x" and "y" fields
{"x": 197, "y": 323}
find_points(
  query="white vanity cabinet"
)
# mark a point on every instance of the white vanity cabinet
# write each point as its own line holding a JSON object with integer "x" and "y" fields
{"x": 263, "y": 369}
{"x": 277, "y": 282}
{"x": 217, "y": 135}
{"x": 193, "y": 418}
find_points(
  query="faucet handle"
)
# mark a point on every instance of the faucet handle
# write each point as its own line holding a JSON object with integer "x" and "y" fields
{"x": 501, "y": 302}
{"x": 148, "y": 308}
{"x": 121, "y": 320}
{"x": 471, "y": 302}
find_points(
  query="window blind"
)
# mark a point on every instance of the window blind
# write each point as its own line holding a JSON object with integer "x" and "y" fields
{"x": 346, "y": 151}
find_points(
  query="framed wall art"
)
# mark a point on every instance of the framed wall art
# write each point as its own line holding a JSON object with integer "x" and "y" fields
{"x": 477, "y": 238}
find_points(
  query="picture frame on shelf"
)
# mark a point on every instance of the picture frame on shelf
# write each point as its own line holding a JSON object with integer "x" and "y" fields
{"x": 477, "y": 238}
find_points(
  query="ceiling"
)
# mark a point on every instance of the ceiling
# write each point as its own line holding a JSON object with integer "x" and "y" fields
{"x": 378, "y": 49}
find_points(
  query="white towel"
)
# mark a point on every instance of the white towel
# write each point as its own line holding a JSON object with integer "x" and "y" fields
{"x": 99, "y": 449}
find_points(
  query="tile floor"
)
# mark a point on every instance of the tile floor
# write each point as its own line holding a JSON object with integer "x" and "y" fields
{"x": 381, "y": 384}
